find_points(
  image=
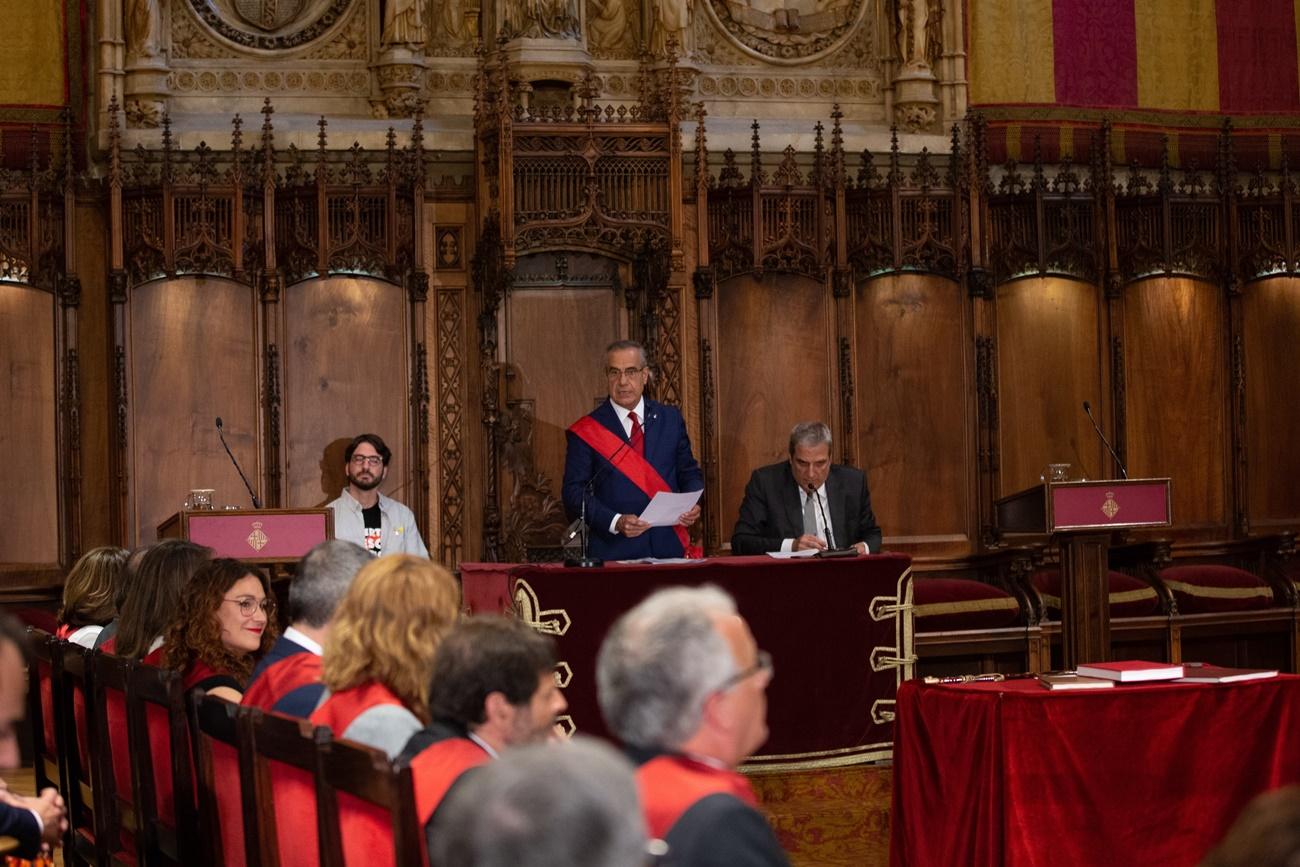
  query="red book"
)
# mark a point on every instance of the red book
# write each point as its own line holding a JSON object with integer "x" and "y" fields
{"x": 1203, "y": 672}
{"x": 1132, "y": 670}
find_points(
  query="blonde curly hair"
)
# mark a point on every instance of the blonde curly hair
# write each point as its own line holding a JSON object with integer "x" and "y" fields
{"x": 388, "y": 626}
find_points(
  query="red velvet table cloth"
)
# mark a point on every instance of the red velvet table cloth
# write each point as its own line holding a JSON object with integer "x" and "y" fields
{"x": 1013, "y": 774}
{"x": 813, "y": 616}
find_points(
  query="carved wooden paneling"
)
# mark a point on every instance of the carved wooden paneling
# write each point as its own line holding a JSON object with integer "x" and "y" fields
{"x": 29, "y": 499}
{"x": 1176, "y": 381}
{"x": 1271, "y": 325}
{"x": 555, "y": 341}
{"x": 450, "y": 370}
{"x": 346, "y": 371}
{"x": 776, "y": 361}
{"x": 914, "y": 417}
{"x": 191, "y": 357}
{"x": 1049, "y": 360}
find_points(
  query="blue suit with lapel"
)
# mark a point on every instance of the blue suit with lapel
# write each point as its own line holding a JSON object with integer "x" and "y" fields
{"x": 667, "y": 449}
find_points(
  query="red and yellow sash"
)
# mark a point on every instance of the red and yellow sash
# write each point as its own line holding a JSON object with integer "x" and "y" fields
{"x": 634, "y": 467}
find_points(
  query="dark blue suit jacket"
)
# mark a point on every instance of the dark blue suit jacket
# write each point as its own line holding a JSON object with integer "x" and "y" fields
{"x": 667, "y": 449}
{"x": 298, "y": 702}
{"x": 282, "y": 649}
{"x": 19, "y": 823}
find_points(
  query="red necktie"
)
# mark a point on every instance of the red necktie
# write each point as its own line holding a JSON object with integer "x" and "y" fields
{"x": 638, "y": 436}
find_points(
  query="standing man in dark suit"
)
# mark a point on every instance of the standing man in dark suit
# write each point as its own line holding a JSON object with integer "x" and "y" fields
{"x": 620, "y": 456}
{"x": 786, "y": 504}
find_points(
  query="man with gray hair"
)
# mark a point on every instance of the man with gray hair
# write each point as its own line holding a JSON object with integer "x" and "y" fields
{"x": 788, "y": 505}
{"x": 682, "y": 683}
{"x": 287, "y": 680}
{"x": 572, "y": 803}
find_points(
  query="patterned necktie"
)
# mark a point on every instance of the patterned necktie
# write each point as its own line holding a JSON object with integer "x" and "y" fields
{"x": 638, "y": 436}
{"x": 809, "y": 515}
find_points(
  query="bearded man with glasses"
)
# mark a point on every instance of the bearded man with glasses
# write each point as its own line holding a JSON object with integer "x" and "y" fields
{"x": 366, "y": 517}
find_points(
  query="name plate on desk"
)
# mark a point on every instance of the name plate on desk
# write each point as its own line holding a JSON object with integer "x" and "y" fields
{"x": 261, "y": 535}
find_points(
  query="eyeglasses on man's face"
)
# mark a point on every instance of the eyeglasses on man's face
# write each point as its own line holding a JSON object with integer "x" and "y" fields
{"x": 248, "y": 605}
{"x": 616, "y": 374}
{"x": 367, "y": 460}
{"x": 762, "y": 662}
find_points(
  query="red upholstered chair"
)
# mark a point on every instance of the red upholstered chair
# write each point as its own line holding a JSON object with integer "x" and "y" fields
{"x": 367, "y": 809}
{"x": 42, "y": 709}
{"x": 223, "y": 765}
{"x": 941, "y": 604}
{"x": 285, "y": 787}
{"x": 163, "y": 776}
{"x": 86, "y": 842}
{"x": 119, "y": 822}
{"x": 1203, "y": 588}
{"x": 1129, "y": 596}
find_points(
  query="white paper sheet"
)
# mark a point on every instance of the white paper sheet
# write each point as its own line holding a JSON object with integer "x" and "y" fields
{"x": 791, "y": 555}
{"x": 665, "y": 508}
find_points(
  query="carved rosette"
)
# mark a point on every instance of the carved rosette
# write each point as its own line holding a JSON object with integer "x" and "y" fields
{"x": 787, "y": 34}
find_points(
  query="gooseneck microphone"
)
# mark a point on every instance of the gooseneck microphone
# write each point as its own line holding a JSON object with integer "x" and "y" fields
{"x": 1087, "y": 408}
{"x": 257, "y": 504}
{"x": 830, "y": 537}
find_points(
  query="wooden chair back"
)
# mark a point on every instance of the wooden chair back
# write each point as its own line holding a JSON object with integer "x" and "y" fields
{"x": 223, "y": 767}
{"x": 286, "y": 786}
{"x": 163, "y": 775}
{"x": 367, "y": 809}
{"x": 120, "y": 821}
{"x": 86, "y": 842}
{"x": 42, "y": 710}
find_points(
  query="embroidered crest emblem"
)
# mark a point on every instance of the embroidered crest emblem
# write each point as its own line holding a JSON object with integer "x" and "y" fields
{"x": 257, "y": 539}
{"x": 1110, "y": 508}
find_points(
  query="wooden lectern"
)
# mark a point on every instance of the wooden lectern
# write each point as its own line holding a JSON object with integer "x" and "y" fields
{"x": 270, "y": 536}
{"x": 1081, "y": 516}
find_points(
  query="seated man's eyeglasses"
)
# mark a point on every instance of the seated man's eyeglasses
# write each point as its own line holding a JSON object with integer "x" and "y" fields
{"x": 763, "y": 662}
{"x": 629, "y": 372}
{"x": 367, "y": 460}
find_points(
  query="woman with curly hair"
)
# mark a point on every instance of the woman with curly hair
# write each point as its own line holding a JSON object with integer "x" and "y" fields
{"x": 226, "y": 622}
{"x": 376, "y": 665}
{"x": 88, "y": 595}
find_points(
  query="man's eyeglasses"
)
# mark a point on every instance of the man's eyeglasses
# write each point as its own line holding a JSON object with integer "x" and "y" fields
{"x": 367, "y": 460}
{"x": 615, "y": 374}
{"x": 763, "y": 662}
{"x": 248, "y": 605}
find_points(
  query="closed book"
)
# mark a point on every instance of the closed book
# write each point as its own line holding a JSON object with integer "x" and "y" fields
{"x": 1201, "y": 672}
{"x": 1132, "y": 670}
{"x": 1070, "y": 680}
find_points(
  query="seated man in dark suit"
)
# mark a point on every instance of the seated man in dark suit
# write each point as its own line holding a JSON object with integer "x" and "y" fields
{"x": 492, "y": 689}
{"x": 787, "y": 504}
{"x": 287, "y": 679}
{"x": 31, "y": 821}
{"x": 682, "y": 683}
{"x": 623, "y": 453}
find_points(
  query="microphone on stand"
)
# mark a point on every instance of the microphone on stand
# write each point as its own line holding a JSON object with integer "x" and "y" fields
{"x": 586, "y": 561}
{"x": 830, "y": 550}
{"x": 257, "y": 504}
{"x": 1087, "y": 408}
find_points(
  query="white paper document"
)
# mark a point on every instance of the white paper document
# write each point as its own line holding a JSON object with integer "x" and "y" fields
{"x": 791, "y": 555}
{"x": 665, "y": 508}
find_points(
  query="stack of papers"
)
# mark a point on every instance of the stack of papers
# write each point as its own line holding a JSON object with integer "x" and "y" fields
{"x": 1203, "y": 672}
{"x": 1132, "y": 671}
{"x": 1072, "y": 680}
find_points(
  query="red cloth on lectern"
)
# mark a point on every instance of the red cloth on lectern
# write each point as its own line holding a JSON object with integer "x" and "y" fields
{"x": 1135, "y": 775}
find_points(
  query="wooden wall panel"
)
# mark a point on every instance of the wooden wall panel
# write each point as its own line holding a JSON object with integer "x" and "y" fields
{"x": 191, "y": 356}
{"x": 1049, "y": 361}
{"x": 1176, "y": 362}
{"x": 555, "y": 342}
{"x": 346, "y": 370}
{"x": 1271, "y": 329}
{"x": 29, "y": 497}
{"x": 912, "y": 413}
{"x": 776, "y": 361}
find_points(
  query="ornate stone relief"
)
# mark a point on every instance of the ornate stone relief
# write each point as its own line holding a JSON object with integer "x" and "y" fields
{"x": 270, "y": 25}
{"x": 787, "y": 32}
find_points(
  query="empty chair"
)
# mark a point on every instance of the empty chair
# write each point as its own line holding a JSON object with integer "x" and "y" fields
{"x": 285, "y": 787}
{"x": 160, "y": 763}
{"x": 223, "y": 768}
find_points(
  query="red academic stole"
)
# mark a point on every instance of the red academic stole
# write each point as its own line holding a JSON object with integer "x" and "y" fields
{"x": 670, "y": 785}
{"x": 634, "y": 467}
{"x": 281, "y": 678}
{"x": 437, "y": 767}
